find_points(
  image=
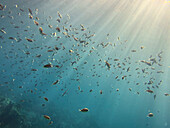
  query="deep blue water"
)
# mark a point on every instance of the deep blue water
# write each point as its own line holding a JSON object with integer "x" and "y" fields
{"x": 131, "y": 36}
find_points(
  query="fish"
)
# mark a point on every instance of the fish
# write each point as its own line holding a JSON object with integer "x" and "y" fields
{"x": 71, "y": 51}
{"x": 107, "y": 64}
{"x": 148, "y": 63}
{"x": 28, "y": 53}
{"x": 50, "y": 26}
{"x": 101, "y": 92}
{"x": 150, "y": 115}
{"x": 30, "y": 11}
{"x": 123, "y": 77}
{"x": 12, "y": 38}
{"x": 3, "y": 31}
{"x": 50, "y": 51}
{"x": 133, "y": 50}
{"x": 58, "y": 29}
{"x": 45, "y": 98}
{"x": 21, "y": 9}
{"x": 38, "y": 55}
{"x": 160, "y": 72}
{"x": 37, "y": 18}
{"x": 84, "y": 110}
{"x": 75, "y": 68}
{"x": 31, "y": 91}
{"x": 47, "y": 117}
{"x": 59, "y": 14}
{"x": 76, "y": 39}
{"x": 116, "y": 59}
{"x": 150, "y": 91}
{"x": 29, "y": 40}
{"x": 30, "y": 16}
{"x": 166, "y": 94}
{"x": 142, "y": 47}
{"x": 79, "y": 88}
{"x": 54, "y": 34}
{"x": 58, "y": 20}
{"x": 41, "y": 31}
{"x": 154, "y": 97}
{"x": 48, "y": 66}
{"x": 2, "y": 6}
{"x": 64, "y": 92}
{"x": 35, "y": 22}
{"x": 56, "y": 48}
{"x": 55, "y": 82}
{"x": 34, "y": 69}
{"x": 57, "y": 66}
{"x": 150, "y": 82}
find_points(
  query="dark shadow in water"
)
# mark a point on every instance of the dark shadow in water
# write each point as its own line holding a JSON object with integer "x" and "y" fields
{"x": 10, "y": 117}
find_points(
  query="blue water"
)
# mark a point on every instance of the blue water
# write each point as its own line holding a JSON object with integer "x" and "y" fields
{"x": 136, "y": 33}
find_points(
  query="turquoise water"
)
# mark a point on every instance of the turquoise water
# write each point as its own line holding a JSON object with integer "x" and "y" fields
{"x": 110, "y": 56}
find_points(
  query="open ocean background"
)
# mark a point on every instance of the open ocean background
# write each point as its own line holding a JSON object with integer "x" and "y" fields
{"x": 135, "y": 32}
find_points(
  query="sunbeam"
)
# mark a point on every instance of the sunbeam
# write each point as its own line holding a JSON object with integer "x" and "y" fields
{"x": 88, "y": 64}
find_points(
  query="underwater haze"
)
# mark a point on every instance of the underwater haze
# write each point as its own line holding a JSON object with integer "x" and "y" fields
{"x": 84, "y": 64}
